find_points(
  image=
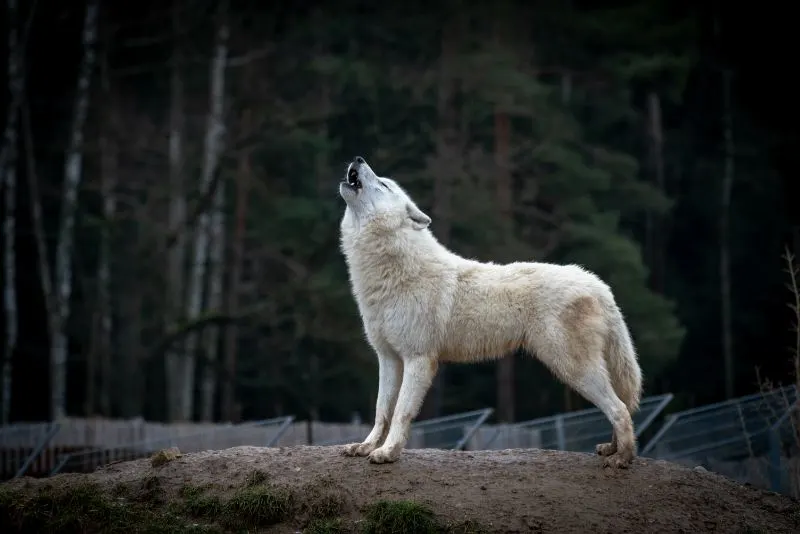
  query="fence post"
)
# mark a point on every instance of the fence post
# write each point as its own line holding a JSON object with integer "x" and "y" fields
{"x": 560, "y": 437}
{"x": 288, "y": 420}
{"x": 52, "y": 431}
{"x": 774, "y": 455}
{"x": 471, "y": 430}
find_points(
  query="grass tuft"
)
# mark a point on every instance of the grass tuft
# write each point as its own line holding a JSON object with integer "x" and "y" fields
{"x": 256, "y": 506}
{"x": 85, "y": 508}
{"x": 255, "y": 478}
{"x": 199, "y": 505}
{"x": 396, "y": 517}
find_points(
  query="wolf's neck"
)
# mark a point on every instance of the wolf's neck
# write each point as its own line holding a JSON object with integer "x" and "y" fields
{"x": 376, "y": 257}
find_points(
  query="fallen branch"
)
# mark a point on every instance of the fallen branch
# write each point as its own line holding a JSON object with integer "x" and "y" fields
{"x": 178, "y": 332}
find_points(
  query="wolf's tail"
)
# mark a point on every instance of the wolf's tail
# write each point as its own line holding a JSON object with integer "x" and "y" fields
{"x": 622, "y": 364}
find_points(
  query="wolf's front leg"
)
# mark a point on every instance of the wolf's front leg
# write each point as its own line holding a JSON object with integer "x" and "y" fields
{"x": 418, "y": 374}
{"x": 390, "y": 374}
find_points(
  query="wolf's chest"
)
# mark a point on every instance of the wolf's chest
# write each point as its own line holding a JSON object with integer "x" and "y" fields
{"x": 387, "y": 301}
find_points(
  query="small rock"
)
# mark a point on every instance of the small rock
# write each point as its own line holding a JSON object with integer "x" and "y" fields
{"x": 700, "y": 469}
{"x": 483, "y": 488}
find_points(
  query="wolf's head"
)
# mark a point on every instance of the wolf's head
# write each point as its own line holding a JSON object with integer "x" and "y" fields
{"x": 370, "y": 197}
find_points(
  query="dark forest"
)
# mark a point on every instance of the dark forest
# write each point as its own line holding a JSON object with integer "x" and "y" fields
{"x": 171, "y": 215}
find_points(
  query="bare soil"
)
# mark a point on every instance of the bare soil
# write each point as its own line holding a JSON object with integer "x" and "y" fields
{"x": 507, "y": 491}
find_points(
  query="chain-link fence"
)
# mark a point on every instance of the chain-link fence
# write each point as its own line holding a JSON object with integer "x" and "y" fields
{"x": 751, "y": 439}
{"x": 578, "y": 431}
{"x": 264, "y": 433}
{"x": 447, "y": 432}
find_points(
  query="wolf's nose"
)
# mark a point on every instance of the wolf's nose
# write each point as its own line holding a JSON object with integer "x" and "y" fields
{"x": 359, "y": 160}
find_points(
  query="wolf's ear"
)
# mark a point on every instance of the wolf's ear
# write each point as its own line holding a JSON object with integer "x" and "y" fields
{"x": 418, "y": 219}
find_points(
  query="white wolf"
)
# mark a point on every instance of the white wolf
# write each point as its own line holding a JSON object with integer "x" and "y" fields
{"x": 422, "y": 304}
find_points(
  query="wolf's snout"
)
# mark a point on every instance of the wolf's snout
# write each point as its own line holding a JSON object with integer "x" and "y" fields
{"x": 353, "y": 181}
{"x": 352, "y": 177}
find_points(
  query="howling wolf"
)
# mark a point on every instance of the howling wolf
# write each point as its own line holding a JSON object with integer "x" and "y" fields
{"x": 421, "y": 304}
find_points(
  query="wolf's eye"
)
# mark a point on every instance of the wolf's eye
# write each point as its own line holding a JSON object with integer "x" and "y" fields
{"x": 384, "y": 184}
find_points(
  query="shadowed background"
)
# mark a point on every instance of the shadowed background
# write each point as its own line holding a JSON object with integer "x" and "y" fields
{"x": 205, "y": 278}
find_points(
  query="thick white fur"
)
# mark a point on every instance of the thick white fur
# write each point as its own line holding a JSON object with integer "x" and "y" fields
{"x": 421, "y": 304}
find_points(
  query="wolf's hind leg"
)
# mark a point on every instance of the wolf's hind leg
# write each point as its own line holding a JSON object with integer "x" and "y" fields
{"x": 607, "y": 449}
{"x": 576, "y": 358}
{"x": 595, "y": 386}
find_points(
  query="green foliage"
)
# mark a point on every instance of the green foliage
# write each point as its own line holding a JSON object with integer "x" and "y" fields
{"x": 574, "y": 83}
{"x": 574, "y": 184}
{"x": 397, "y": 517}
{"x": 198, "y": 504}
{"x": 256, "y": 506}
{"x": 86, "y": 508}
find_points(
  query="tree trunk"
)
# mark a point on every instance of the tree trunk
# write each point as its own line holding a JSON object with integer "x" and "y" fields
{"x": 16, "y": 81}
{"x": 72, "y": 178}
{"x": 176, "y": 255}
{"x": 232, "y": 332}
{"x": 212, "y": 151}
{"x": 724, "y": 234}
{"x": 127, "y": 379}
{"x": 9, "y": 170}
{"x": 322, "y": 164}
{"x": 505, "y": 366}
{"x": 655, "y": 230}
{"x": 502, "y": 141}
{"x": 45, "y": 278}
{"x": 216, "y": 271}
{"x": 447, "y": 160}
{"x": 566, "y": 97}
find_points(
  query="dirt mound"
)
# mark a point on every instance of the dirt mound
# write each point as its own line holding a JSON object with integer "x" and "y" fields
{"x": 316, "y": 489}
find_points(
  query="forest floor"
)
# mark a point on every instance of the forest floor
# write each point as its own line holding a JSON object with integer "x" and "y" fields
{"x": 317, "y": 490}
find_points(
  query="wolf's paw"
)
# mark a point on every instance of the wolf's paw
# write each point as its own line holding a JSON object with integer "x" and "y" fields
{"x": 384, "y": 455}
{"x": 618, "y": 461}
{"x": 606, "y": 449}
{"x": 358, "y": 449}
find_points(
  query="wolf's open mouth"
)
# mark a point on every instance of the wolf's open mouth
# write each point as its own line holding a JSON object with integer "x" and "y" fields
{"x": 352, "y": 179}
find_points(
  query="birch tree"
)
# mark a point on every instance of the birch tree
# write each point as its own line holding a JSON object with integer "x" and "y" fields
{"x": 9, "y": 170}
{"x": 216, "y": 271}
{"x": 212, "y": 150}
{"x": 73, "y": 172}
